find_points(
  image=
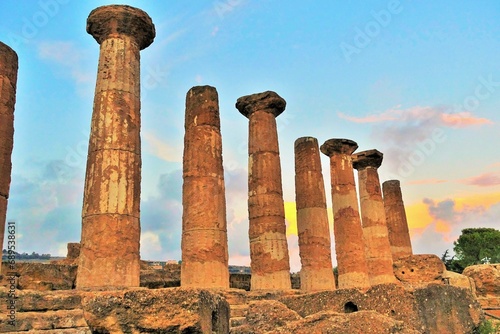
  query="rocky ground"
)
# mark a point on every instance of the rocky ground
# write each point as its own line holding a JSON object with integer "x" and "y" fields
{"x": 428, "y": 300}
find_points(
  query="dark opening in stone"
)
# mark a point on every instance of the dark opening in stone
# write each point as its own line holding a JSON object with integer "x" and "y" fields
{"x": 350, "y": 307}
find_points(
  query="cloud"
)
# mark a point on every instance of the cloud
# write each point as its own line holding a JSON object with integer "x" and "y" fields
{"x": 463, "y": 119}
{"x": 484, "y": 180}
{"x": 409, "y": 136}
{"x": 421, "y": 114}
{"x": 46, "y": 206}
{"x": 437, "y": 223}
{"x": 161, "y": 149}
{"x": 161, "y": 219}
{"x": 426, "y": 181}
{"x": 72, "y": 59}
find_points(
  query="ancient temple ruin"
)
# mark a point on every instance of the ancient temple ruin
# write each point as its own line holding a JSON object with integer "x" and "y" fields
{"x": 109, "y": 255}
{"x": 204, "y": 230}
{"x": 8, "y": 83}
{"x": 382, "y": 286}
{"x": 349, "y": 242}
{"x": 267, "y": 230}
{"x": 312, "y": 218}
{"x": 395, "y": 215}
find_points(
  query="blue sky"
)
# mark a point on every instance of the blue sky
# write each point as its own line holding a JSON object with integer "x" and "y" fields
{"x": 419, "y": 81}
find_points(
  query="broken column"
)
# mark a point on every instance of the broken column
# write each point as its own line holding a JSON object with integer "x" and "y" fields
{"x": 312, "y": 218}
{"x": 378, "y": 250}
{"x": 349, "y": 243}
{"x": 204, "y": 228}
{"x": 395, "y": 215}
{"x": 267, "y": 230}
{"x": 8, "y": 82}
{"x": 109, "y": 255}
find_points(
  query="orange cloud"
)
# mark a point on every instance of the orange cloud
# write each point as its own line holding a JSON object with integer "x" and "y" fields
{"x": 419, "y": 217}
{"x": 463, "y": 119}
{"x": 291, "y": 217}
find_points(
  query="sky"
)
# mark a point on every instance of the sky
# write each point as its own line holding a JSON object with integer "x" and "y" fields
{"x": 417, "y": 80}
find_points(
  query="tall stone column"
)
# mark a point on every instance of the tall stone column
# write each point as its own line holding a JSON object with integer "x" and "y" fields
{"x": 109, "y": 255}
{"x": 312, "y": 218}
{"x": 267, "y": 231}
{"x": 204, "y": 228}
{"x": 349, "y": 243}
{"x": 8, "y": 82}
{"x": 378, "y": 250}
{"x": 395, "y": 215}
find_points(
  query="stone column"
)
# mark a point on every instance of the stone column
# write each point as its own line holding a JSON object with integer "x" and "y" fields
{"x": 349, "y": 244}
{"x": 109, "y": 255}
{"x": 378, "y": 250}
{"x": 8, "y": 82}
{"x": 204, "y": 228}
{"x": 395, "y": 215}
{"x": 312, "y": 218}
{"x": 267, "y": 231}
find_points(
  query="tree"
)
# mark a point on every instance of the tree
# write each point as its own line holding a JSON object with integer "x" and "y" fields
{"x": 476, "y": 246}
{"x": 451, "y": 264}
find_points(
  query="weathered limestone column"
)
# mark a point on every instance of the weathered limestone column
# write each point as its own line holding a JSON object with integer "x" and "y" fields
{"x": 349, "y": 243}
{"x": 267, "y": 231}
{"x": 8, "y": 82}
{"x": 395, "y": 215}
{"x": 378, "y": 250}
{"x": 204, "y": 228}
{"x": 312, "y": 218}
{"x": 109, "y": 255}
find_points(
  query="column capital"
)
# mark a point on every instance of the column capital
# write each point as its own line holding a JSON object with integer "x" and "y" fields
{"x": 267, "y": 101}
{"x": 338, "y": 146}
{"x": 112, "y": 21}
{"x": 369, "y": 158}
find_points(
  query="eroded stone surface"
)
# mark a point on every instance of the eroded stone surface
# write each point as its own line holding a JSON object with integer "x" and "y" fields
{"x": 109, "y": 255}
{"x": 8, "y": 82}
{"x": 365, "y": 322}
{"x": 135, "y": 310}
{"x": 267, "y": 229}
{"x": 204, "y": 227}
{"x": 375, "y": 233}
{"x": 312, "y": 219}
{"x": 432, "y": 309}
{"x": 418, "y": 270}
{"x": 349, "y": 243}
{"x": 487, "y": 280}
{"x": 175, "y": 310}
{"x": 40, "y": 276}
{"x": 397, "y": 224}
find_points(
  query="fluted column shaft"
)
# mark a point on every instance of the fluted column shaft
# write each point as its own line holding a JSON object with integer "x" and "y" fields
{"x": 8, "y": 82}
{"x": 109, "y": 255}
{"x": 378, "y": 250}
{"x": 204, "y": 227}
{"x": 267, "y": 230}
{"x": 349, "y": 242}
{"x": 312, "y": 219}
{"x": 395, "y": 215}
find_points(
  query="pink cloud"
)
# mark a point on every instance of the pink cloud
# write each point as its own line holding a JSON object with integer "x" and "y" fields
{"x": 426, "y": 181}
{"x": 419, "y": 113}
{"x": 483, "y": 180}
{"x": 463, "y": 119}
